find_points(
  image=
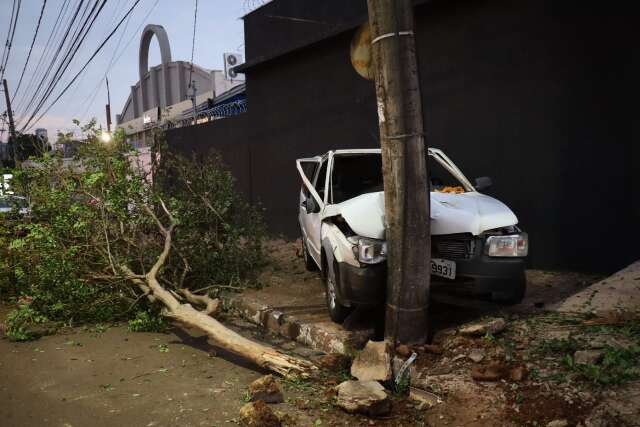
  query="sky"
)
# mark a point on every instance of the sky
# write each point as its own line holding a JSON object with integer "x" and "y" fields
{"x": 219, "y": 29}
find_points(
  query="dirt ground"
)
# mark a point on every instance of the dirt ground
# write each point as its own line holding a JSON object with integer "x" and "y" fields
{"x": 99, "y": 376}
{"x": 550, "y": 390}
{"x": 110, "y": 376}
{"x": 285, "y": 279}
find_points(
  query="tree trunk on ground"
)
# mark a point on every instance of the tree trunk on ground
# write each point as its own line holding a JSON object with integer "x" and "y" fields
{"x": 263, "y": 356}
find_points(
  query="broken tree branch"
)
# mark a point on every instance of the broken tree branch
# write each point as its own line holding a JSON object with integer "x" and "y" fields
{"x": 263, "y": 356}
{"x": 211, "y": 304}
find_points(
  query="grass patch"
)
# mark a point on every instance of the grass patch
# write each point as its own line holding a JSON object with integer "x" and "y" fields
{"x": 559, "y": 346}
{"x": 618, "y": 366}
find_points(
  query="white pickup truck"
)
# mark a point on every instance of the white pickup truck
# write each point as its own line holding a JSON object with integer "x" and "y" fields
{"x": 475, "y": 238}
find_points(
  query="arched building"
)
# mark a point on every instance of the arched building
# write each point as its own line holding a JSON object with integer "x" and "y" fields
{"x": 162, "y": 95}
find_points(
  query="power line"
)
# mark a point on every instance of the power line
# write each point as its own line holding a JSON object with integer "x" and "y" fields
{"x": 55, "y": 57}
{"x": 113, "y": 62}
{"x": 94, "y": 92}
{"x": 193, "y": 41}
{"x": 26, "y": 126}
{"x": 77, "y": 40}
{"x": 6, "y": 43}
{"x": 79, "y": 35}
{"x": 112, "y": 22}
{"x": 45, "y": 54}
{"x": 35, "y": 35}
{"x": 10, "y": 40}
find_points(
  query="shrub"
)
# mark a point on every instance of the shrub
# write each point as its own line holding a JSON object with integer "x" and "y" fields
{"x": 220, "y": 234}
{"x": 19, "y": 320}
{"x": 96, "y": 216}
{"x": 147, "y": 321}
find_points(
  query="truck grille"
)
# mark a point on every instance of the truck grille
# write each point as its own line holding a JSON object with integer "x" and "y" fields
{"x": 452, "y": 246}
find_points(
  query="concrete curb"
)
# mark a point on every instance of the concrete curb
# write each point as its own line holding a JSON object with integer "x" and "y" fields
{"x": 320, "y": 335}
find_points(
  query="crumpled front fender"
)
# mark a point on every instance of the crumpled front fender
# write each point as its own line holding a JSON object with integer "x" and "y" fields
{"x": 335, "y": 243}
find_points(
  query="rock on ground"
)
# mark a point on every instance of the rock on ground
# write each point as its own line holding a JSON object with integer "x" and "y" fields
{"x": 373, "y": 363}
{"x": 266, "y": 389}
{"x": 491, "y": 326}
{"x": 558, "y": 423}
{"x": 403, "y": 350}
{"x": 335, "y": 362}
{"x": 518, "y": 373}
{"x": 364, "y": 397}
{"x": 432, "y": 348}
{"x": 424, "y": 397}
{"x": 258, "y": 414}
{"x": 494, "y": 371}
{"x": 588, "y": 357}
{"x": 476, "y": 354}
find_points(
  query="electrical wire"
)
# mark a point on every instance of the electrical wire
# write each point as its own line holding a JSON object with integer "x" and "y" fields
{"x": 79, "y": 35}
{"x": 10, "y": 40}
{"x": 112, "y": 22}
{"x": 6, "y": 43}
{"x": 77, "y": 40}
{"x": 27, "y": 125}
{"x": 44, "y": 56}
{"x": 193, "y": 41}
{"x": 35, "y": 35}
{"x": 114, "y": 62}
{"x": 55, "y": 57}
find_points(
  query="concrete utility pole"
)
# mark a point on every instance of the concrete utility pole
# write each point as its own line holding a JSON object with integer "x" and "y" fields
{"x": 407, "y": 201}
{"x": 192, "y": 95}
{"x": 12, "y": 126}
{"x": 108, "y": 107}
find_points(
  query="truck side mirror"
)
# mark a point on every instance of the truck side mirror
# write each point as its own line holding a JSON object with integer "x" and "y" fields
{"x": 483, "y": 183}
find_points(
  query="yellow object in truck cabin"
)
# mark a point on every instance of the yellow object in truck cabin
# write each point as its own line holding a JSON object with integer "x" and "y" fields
{"x": 455, "y": 190}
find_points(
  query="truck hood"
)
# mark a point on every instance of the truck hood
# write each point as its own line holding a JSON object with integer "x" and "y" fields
{"x": 470, "y": 212}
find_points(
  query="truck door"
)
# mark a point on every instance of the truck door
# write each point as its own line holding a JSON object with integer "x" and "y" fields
{"x": 312, "y": 194}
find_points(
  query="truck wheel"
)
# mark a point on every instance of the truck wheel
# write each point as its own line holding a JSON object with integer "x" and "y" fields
{"x": 309, "y": 263}
{"x": 515, "y": 295}
{"x": 337, "y": 311}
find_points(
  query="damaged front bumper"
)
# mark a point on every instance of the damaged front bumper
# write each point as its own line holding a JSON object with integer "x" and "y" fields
{"x": 363, "y": 286}
{"x": 476, "y": 272}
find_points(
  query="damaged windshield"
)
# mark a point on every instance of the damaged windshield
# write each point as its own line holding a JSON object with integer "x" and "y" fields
{"x": 356, "y": 174}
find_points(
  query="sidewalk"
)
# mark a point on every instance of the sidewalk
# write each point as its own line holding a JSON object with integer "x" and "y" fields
{"x": 292, "y": 304}
{"x": 618, "y": 294}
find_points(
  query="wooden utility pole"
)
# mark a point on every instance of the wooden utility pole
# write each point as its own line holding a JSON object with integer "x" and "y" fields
{"x": 407, "y": 201}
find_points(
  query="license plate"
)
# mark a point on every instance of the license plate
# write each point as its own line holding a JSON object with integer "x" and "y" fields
{"x": 443, "y": 268}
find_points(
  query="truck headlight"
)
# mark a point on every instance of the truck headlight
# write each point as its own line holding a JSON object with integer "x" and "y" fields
{"x": 514, "y": 245}
{"x": 369, "y": 251}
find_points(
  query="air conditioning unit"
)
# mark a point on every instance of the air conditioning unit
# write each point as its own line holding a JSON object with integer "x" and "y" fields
{"x": 230, "y": 61}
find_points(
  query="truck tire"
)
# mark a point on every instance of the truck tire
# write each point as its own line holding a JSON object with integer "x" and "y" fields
{"x": 515, "y": 295}
{"x": 337, "y": 311}
{"x": 309, "y": 263}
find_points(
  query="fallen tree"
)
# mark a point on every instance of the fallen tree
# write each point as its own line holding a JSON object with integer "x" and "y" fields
{"x": 263, "y": 356}
{"x": 104, "y": 238}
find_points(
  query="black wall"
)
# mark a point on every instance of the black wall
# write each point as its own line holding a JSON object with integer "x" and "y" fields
{"x": 536, "y": 94}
